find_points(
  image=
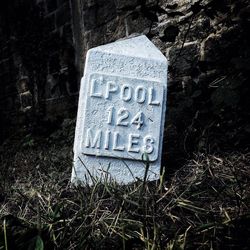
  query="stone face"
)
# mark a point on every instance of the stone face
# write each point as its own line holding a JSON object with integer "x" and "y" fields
{"x": 121, "y": 111}
{"x": 184, "y": 58}
{"x": 99, "y": 14}
{"x": 126, "y": 4}
{"x": 137, "y": 23}
{"x": 51, "y": 5}
{"x": 62, "y": 15}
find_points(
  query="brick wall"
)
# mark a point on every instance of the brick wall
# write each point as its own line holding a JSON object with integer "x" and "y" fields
{"x": 36, "y": 42}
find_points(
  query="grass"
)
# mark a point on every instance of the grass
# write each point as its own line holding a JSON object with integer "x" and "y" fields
{"x": 203, "y": 205}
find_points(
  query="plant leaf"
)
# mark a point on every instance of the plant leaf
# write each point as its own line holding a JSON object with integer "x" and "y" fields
{"x": 39, "y": 243}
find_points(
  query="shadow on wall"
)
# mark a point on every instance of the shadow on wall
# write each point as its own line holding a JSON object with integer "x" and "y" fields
{"x": 37, "y": 41}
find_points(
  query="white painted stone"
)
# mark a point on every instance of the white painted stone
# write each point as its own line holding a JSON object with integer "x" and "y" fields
{"x": 121, "y": 112}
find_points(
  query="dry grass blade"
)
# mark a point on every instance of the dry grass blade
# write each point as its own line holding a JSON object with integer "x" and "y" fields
{"x": 205, "y": 204}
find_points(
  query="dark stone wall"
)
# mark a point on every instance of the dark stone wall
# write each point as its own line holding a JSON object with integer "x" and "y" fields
{"x": 36, "y": 43}
{"x": 206, "y": 44}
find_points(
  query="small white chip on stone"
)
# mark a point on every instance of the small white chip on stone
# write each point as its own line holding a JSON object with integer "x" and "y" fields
{"x": 121, "y": 112}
